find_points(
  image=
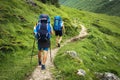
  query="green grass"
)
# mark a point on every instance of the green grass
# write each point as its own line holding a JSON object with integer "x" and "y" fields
{"x": 99, "y": 6}
{"x": 17, "y": 19}
{"x": 16, "y": 40}
{"x": 102, "y": 41}
{"x": 16, "y": 65}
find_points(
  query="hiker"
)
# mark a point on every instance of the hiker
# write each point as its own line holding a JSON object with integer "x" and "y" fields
{"x": 58, "y": 28}
{"x": 43, "y": 31}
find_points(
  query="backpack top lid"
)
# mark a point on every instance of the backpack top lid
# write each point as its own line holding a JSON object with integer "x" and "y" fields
{"x": 44, "y": 18}
{"x": 58, "y": 18}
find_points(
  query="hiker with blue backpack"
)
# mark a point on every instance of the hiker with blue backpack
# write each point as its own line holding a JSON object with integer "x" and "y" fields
{"x": 58, "y": 28}
{"x": 43, "y": 31}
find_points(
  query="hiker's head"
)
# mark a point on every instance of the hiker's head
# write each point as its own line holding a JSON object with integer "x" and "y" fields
{"x": 44, "y": 18}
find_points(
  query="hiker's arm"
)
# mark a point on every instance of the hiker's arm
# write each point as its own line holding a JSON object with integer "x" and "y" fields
{"x": 51, "y": 29}
{"x": 63, "y": 28}
{"x": 52, "y": 32}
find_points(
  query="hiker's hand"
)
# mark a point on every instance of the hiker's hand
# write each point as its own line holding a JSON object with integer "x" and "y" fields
{"x": 52, "y": 32}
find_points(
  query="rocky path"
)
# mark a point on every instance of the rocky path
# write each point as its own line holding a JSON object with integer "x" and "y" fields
{"x": 39, "y": 74}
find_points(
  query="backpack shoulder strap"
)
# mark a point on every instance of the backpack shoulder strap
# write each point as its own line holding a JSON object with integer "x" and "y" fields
{"x": 39, "y": 25}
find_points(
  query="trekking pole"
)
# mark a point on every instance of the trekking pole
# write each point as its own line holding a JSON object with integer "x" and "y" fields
{"x": 50, "y": 52}
{"x": 32, "y": 51}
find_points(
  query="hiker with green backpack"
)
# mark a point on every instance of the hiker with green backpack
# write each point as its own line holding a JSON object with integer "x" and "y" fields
{"x": 58, "y": 28}
{"x": 43, "y": 31}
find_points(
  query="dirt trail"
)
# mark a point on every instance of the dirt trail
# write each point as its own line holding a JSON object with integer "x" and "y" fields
{"x": 39, "y": 74}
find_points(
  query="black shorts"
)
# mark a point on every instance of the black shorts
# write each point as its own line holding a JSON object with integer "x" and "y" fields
{"x": 58, "y": 33}
{"x": 43, "y": 44}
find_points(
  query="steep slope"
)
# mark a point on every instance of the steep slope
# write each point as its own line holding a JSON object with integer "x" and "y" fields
{"x": 98, "y": 53}
{"x": 17, "y": 22}
{"x": 17, "y": 19}
{"x": 110, "y": 7}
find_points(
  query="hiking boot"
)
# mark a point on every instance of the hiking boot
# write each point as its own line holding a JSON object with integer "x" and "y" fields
{"x": 58, "y": 44}
{"x": 39, "y": 63}
{"x": 43, "y": 67}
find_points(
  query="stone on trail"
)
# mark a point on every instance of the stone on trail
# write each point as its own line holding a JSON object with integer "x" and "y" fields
{"x": 107, "y": 76}
{"x": 73, "y": 54}
{"x": 81, "y": 72}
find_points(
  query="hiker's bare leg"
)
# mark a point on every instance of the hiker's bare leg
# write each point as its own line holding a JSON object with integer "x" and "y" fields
{"x": 40, "y": 55}
{"x": 60, "y": 39}
{"x": 44, "y": 57}
{"x": 57, "y": 39}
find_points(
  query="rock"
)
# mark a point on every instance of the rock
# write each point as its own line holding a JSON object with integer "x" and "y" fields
{"x": 104, "y": 57}
{"x": 107, "y": 76}
{"x": 72, "y": 54}
{"x": 31, "y": 79}
{"x": 75, "y": 39}
{"x": 81, "y": 72}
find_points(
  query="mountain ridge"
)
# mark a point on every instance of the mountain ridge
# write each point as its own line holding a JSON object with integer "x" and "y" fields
{"x": 110, "y": 7}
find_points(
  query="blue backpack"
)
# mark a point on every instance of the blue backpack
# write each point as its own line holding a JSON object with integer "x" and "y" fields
{"x": 43, "y": 34}
{"x": 57, "y": 23}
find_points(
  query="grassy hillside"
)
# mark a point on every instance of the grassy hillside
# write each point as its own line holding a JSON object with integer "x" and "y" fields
{"x": 99, "y": 51}
{"x": 17, "y": 19}
{"x": 110, "y": 7}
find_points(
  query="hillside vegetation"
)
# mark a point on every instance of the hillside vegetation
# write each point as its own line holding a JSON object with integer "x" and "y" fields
{"x": 17, "y": 19}
{"x": 98, "y": 52}
{"x": 110, "y": 7}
